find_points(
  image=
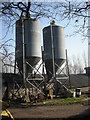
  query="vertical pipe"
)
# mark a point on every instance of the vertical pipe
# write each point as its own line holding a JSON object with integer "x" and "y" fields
{"x": 53, "y": 55}
{"x": 0, "y": 80}
{"x": 53, "y": 60}
{"x": 68, "y": 69}
{"x": 15, "y": 67}
{"x": 24, "y": 61}
{"x": 42, "y": 62}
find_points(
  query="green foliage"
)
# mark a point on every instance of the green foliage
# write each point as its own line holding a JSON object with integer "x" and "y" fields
{"x": 65, "y": 101}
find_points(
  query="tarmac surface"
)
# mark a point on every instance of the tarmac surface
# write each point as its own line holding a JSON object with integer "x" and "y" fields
{"x": 52, "y": 112}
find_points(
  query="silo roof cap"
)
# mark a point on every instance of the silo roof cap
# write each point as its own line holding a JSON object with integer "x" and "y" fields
{"x": 52, "y": 22}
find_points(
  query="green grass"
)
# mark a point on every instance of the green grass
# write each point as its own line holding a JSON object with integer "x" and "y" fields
{"x": 55, "y": 101}
{"x": 65, "y": 101}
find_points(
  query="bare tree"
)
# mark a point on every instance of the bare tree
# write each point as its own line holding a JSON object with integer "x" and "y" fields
{"x": 80, "y": 65}
{"x": 70, "y": 65}
{"x": 67, "y": 10}
{"x": 12, "y": 11}
{"x": 7, "y": 55}
{"x": 84, "y": 58}
{"x": 76, "y": 65}
{"x": 59, "y": 10}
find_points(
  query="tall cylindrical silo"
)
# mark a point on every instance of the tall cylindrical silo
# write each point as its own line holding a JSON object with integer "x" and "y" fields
{"x": 32, "y": 38}
{"x": 58, "y": 46}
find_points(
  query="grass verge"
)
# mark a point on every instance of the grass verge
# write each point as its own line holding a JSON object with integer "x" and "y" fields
{"x": 65, "y": 101}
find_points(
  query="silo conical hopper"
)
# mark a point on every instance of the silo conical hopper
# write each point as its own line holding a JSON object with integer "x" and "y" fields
{"x": 59, "y": 48}
{"x": 32, "y": 38}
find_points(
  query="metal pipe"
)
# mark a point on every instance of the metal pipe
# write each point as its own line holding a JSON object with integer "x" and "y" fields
{"x": 68, "y": 68}
{"x": 53, "y": 60}
{"x": 24, "y": 61}
{"x": 53, "y": 57}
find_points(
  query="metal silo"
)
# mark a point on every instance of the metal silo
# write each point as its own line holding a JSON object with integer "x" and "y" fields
{"x": 57, "y": 34}
{"x": 32, "y": 38}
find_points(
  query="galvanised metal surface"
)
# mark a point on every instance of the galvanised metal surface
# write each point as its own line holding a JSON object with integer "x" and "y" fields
{"x": 58, "y": 45}
{"x": 32, "y": 38}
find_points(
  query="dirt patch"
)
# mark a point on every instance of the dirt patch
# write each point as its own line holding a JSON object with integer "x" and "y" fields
{"x": 46, "y": 112}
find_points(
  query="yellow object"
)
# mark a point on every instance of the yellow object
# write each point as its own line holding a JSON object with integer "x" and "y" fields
{"x": 51, "y": 93}
{"x": 27, "y": 99}
{"x": 5, "y": 112}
